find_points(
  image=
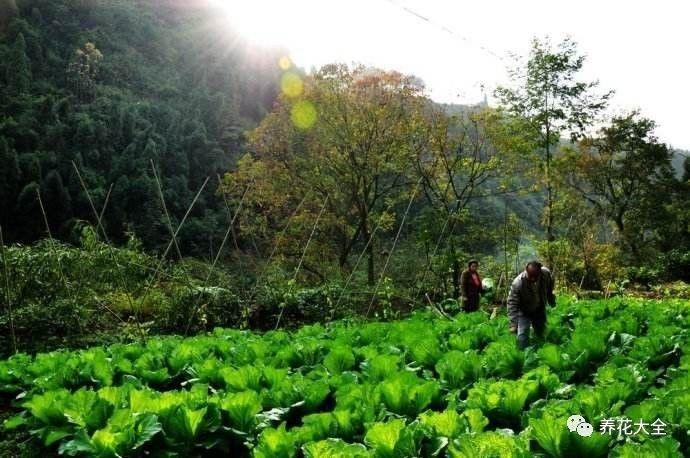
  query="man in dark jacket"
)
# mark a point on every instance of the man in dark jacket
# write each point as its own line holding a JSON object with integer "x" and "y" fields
{"x": 471, "y": 287}
{"x": 529, "y": 294}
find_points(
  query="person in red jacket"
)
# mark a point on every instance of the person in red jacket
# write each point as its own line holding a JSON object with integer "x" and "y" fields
{"x": 471, "y": 287}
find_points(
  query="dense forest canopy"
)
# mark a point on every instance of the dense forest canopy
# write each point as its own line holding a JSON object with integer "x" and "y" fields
{"x": 112, "y": 86}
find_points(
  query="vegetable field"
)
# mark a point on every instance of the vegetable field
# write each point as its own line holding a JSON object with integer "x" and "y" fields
{"x": 423, "y": 386}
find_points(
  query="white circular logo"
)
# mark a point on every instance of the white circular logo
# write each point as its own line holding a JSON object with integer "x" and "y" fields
{"x": 575, "y": 420}
{"x": 585, "y": 429}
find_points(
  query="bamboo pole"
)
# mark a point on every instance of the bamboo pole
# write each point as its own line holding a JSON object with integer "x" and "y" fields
{"x": 395, "y": 241}
{"x": 218, "y": 253}
{"x": 304, "y": 252}
{"x": 8, "y": 302}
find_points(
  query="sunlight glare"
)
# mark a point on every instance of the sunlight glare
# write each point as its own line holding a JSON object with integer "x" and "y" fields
{"x": 264, "y": 22}
{"x": 291, "y": 84}
{"x": 303, "y": 114}
{"x": 285, "y": 63}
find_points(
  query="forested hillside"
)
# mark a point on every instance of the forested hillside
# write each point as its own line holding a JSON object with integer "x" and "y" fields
{"x": 679, "y": 161}
{"x": 112, "y": 86}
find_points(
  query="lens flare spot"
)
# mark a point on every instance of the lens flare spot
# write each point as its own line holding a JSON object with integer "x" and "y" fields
{"x": 284, "y": 63}
{"x": 303, "y": 114}
{"x": 291, "y": 84}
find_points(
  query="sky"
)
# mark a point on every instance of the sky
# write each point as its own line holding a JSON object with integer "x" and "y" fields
{"x": 639, "y": 48}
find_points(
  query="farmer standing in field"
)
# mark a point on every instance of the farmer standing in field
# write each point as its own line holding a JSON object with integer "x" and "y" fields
{"x": 471, "y": 287}
{"x": 529, "y": 294}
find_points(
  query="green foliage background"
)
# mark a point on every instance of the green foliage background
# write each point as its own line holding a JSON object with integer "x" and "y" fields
{"x": 173, "y": 86}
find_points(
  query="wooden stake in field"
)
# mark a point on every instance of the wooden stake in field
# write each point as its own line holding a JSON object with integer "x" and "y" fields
{"x": 8, "y": 302}
{"x": 99, "y": 224}
{"x": 359, "y": 259}
{"x": 395, "y": 242}
{"x": 218, "y": 253}
{"x": 304, "y": 252}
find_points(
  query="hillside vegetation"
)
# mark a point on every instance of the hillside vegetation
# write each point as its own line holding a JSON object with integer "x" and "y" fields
{"x": 113, "y": 86}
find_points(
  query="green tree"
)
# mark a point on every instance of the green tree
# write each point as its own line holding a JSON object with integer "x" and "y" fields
{"x": 675, "y": 234}
{"x": 462, "y": 155}
{"x": 627, "y": 175}
{"x": 546, "y": 93}
{"x": 8, "y": 10}
{"x": 585, "y": 256}
{"x": 18, "y": 69}
{"x": 29, "y": 223}
{"x": 56, "y": 200}
{"x": 10, "y": 180}
{"x": 82, "y": 71}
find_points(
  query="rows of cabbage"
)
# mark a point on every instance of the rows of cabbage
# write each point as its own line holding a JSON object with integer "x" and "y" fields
{"x": 424, "y": 386}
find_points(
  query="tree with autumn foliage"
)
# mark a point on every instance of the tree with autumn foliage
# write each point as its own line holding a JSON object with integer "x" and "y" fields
{"x": 342, "y": 139}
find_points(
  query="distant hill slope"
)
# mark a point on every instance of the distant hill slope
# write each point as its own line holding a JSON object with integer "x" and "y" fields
{"x": 527, "y": 207}
{"x": 113, "y": 85}
{"x": 678, "y": 161}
